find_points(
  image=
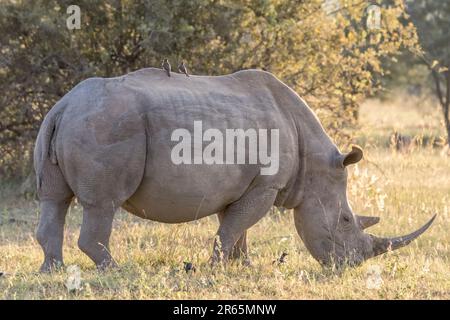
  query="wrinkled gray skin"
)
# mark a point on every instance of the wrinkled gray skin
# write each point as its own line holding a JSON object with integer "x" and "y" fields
{"x": 108, "y": 143}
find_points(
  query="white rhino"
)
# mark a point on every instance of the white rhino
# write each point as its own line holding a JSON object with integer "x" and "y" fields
{"x": 108, "y": 142}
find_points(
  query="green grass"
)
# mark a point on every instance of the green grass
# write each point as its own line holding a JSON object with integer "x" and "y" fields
{"x": 404, "y": 189}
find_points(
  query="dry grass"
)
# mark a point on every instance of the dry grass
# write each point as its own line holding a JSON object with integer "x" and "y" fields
{"x": 414, "y": 117}
{"x": 409, "y": 189}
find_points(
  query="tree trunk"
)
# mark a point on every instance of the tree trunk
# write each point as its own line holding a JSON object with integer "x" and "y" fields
{"x": 444, "y": 101}
{"x": 447, "y": 126}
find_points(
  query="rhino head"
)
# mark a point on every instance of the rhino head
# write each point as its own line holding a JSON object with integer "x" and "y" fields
{"x": 332, "y": 233}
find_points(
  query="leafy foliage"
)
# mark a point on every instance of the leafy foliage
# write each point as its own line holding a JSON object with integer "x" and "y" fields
{"x": 328, "y": 56}
{"x": 432, "y": 21}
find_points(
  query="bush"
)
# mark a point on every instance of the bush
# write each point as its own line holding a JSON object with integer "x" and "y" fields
{"x": 325, "y": 53}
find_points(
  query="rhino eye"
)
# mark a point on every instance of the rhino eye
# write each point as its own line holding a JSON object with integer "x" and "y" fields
{"x": 346, "y": 218}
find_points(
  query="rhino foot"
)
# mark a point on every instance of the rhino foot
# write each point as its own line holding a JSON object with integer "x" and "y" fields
{"x": 51, "y": 266}
{"x": 107, "y": 265}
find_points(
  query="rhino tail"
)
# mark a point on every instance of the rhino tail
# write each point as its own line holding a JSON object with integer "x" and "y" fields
{"x": 45, "y": 149}
{"x": 49, "y": 134}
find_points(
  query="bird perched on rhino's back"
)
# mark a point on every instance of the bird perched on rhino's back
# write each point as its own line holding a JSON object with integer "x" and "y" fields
{"x": 182, "y": 68}
{"x": 166, "y": 66}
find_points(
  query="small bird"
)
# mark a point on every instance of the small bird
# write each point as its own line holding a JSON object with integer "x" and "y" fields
{"x": 182, "y": 68}
{"x": 188, "y": 266}
{"x": 166, "y": 66}
{"x": 281, "y": 259}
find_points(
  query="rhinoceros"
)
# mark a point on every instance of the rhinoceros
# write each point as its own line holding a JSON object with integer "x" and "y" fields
{"x": 109, "y": 143}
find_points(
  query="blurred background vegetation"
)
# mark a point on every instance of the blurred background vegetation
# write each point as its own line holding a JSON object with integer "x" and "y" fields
{"x": 322, "y": 49}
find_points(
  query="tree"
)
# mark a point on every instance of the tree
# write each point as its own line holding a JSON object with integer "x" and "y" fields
{"x": 432, "y": 20}
{"x": 328, "y": 56}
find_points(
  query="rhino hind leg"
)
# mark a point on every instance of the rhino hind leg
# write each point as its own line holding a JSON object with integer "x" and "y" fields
{"x": 103, "y": 177}
{"x": 55, "y": 197}
{"x": 238, "y": 217}
{"x": 50, "y": 232}
{"x": 94, "y": 235}
{"x": 240, "y": 250}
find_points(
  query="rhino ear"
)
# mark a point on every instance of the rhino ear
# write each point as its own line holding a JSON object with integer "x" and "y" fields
{"x": 352, "y": 157}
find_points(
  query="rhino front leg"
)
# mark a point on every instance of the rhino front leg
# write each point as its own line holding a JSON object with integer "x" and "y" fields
{"x": 240, "y": 250}
{"x": 238, "y": 217}
{"x": 50, "y": 232}
{"x": 94, "y": 235}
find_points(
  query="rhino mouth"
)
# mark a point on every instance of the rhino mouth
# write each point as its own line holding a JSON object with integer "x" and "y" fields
{"x": 339, "y": 256}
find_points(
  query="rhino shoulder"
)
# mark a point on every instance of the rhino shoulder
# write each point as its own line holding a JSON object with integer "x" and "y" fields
{"x": 284, "y": 96}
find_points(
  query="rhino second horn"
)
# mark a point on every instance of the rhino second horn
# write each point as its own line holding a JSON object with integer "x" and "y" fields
{"x": 382, "y": 245}
{"x": 365, "y": 221}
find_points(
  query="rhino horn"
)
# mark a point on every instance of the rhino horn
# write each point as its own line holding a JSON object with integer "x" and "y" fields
{"x": 365, "y": 221}
{"x": 382, "y": 245}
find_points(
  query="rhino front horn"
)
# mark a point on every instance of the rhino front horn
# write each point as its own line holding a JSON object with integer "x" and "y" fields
{"x": 382, "y": 245}
{"x": 365, "y": 221}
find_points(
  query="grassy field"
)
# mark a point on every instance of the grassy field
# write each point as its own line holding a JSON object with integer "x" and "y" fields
{"x": 404, "y": 188}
